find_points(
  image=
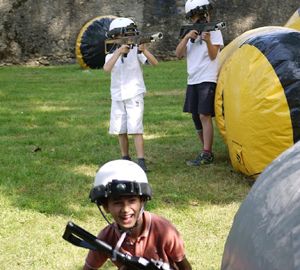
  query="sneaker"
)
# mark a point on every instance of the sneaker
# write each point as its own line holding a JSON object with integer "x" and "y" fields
{"x": 142, "y": 163}
{"x": 203, "y": 159}
{"x": 126, "y": 158}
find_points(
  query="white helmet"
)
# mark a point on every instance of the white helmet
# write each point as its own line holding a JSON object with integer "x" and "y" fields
{"x": 193, "y": 7}
{"x": 120, "y": 177}
{"x": 120, "y": 26}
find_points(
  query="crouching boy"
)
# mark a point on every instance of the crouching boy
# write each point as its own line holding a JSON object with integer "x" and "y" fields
{"x": 121, "y": 190}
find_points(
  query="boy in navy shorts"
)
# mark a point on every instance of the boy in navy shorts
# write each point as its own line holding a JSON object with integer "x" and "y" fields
{"x": 203, "y": 69}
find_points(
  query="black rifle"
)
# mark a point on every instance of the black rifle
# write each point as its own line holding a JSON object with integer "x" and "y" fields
{"x": 86, "y": 240}
{"x": 131, "y": 40}
{"x": 200, "y": 27}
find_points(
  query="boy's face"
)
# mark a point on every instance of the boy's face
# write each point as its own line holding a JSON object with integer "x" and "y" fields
{"x": 124, "y": 210}
{"x": 201, "y": 16}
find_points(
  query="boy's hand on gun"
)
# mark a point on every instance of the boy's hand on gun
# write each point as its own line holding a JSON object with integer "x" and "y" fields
{"x": 142, "y": 47}
{"x": 205, "y": 36}
{"x": 192, "y": 34}
{"x": 124, "y": 49}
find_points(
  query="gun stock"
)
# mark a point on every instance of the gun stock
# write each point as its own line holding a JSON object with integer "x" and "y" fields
{"x": 132, "y": 40}
{"x": 82, "y": 238}
{"x": 200, "y": 27}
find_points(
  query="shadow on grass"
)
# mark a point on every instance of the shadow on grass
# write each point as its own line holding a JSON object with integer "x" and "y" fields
{"x": 72, "y": 133}
{"x": 46, "y": 184}
{"x": 49, "y": 180}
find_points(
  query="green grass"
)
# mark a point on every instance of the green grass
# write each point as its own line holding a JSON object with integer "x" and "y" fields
{"x": 54, "y": 136}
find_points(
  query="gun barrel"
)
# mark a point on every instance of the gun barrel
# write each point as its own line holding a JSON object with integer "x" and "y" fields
{"x": 158, "y": 35}
{"x": 221, "y": 25}
{"x": 132, "y": 40}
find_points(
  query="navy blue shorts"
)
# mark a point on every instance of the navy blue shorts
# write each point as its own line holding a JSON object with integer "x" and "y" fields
{"x": 200, "y": 98}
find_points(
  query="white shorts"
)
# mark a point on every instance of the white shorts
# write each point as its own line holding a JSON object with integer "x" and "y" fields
{"x": 126, "y": 117}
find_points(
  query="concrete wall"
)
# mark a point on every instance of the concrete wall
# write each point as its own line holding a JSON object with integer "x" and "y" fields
{"x": 42, "y": 32}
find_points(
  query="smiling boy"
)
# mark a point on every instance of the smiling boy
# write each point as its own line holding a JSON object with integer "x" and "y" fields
{"x": 121, "y": 188}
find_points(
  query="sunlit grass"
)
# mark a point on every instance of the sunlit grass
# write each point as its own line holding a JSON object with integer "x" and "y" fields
{"x": 54, "y": 136}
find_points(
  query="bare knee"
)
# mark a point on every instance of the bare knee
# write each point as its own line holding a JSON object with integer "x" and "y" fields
{"x": 205, "y": 117}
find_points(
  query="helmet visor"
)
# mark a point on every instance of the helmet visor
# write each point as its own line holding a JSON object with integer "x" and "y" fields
{"x": 198, "y": 10}
{"x": 120, "y": 188}
{"x": 129, "y": 29}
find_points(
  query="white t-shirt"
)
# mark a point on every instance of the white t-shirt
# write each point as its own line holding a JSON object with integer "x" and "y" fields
{"x": 127, "y": 75}
{"x": 200, "y": 67}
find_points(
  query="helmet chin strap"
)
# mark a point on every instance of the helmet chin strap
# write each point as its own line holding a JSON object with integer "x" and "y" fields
{"x": 124, "y": 233}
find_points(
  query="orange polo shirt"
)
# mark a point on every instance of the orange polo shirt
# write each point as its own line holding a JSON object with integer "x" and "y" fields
{"x": 158, "y": 240}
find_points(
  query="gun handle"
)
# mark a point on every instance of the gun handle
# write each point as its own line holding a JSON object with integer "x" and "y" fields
{"x": 131, "y": 46}
{"x": 193, "y": 40}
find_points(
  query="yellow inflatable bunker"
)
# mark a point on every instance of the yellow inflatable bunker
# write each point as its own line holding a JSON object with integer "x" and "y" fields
{"x": 257, "y": 99}
{"x": 294, "y": 21}
{"x": 89, "y": 47}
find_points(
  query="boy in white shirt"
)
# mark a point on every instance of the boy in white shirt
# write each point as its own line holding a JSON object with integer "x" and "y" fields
{"x": 128, "y": 89}
{"x": 203, "y": 69}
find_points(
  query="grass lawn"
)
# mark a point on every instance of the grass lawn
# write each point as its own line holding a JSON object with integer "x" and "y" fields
{"x": 54, "y": 136}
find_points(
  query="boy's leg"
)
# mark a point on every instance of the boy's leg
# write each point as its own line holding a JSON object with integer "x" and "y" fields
{"x": 118, "y": 126}
{"x": 206, "y": 157}
{"x": 124, "y": 144}
{"x": 201, "y": 99}
{"x": 135, "y": 111}
{"x": 200, "y": 136}
{"x": 208, "y": 132}
{"x": 139, "y": 144}
{"x": 198, "y": 126}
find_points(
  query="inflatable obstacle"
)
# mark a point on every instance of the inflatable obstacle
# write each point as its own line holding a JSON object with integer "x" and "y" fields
{"x": 89, "y": 49}
{"x": 294, "y": 21}
{"x": 265, "y": 233}
{"x": 257, "y": 102}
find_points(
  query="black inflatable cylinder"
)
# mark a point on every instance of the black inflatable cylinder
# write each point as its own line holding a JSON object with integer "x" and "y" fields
{"x": 90, "y": 51}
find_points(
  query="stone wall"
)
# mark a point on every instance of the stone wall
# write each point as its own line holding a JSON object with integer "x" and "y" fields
{"x": 43, "y": 32}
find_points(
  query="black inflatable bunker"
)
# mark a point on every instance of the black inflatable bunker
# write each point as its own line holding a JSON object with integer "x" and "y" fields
{"x": 90, "y": 51}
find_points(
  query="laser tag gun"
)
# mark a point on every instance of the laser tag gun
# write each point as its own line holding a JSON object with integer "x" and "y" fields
{"x": 131, "y": 40}
{"x": 81, "y": 238}
{"x": 200, "y": 27}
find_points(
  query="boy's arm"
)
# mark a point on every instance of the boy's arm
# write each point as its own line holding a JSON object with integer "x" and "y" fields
{"x": 152, "y": 60}
{"x": 212, "y": 49}
{"x": 111, "y": 62}
{"x": 181, "y": 48}
{"x": 184, "y": 265}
